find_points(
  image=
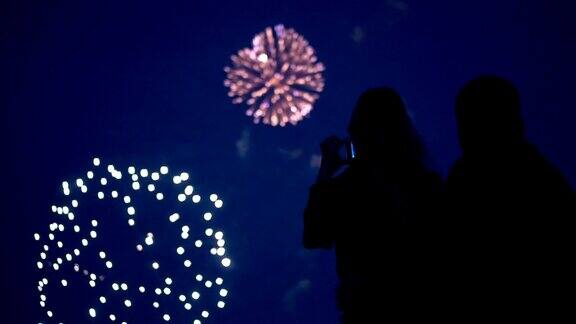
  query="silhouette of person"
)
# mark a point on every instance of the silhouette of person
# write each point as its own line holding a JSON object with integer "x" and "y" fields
{"x": 370, "y": 211}
{"x": 502, "y": 198}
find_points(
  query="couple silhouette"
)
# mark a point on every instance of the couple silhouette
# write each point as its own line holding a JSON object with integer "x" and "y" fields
{"x": 483, "y": 245}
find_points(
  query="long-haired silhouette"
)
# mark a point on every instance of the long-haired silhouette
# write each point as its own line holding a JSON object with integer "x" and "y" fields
{"x": 369, "y": 211}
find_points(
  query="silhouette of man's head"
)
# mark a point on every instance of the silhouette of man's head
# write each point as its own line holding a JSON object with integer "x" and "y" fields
{"x": 381, "y": 128}
{"x": 488, "y": 115}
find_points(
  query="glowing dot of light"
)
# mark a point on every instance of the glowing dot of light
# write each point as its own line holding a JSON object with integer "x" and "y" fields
{"x": 103, "y": 299}
{"x": 168, "y": 281}
{"x": 188, "y": 306}
{"x": 223, "y": 292}
{"x": 189, "y": 190}
{"x": 149, "y": 240}
{"x": 219, "y": 281}
{"x": 195, "y": 295}
{"x": 174, "y": 217}
{"x": 180, "y": 250}
{"x": 218, "y": 203}
{"x": 218, "y": 235}
{"x": 221, "y": 304}
{"x": 213, "y": 197}
{"x": 187, "y": 263}
{"x": 226, "y": 262}
{"x": 205, "y": 314}
{"x": 92, "y": 312}
{"x": 155, "y": 265}
{"x": 207, "y": 216}
{"x": 159, "y": 196}
{"x": 196, "y": 199}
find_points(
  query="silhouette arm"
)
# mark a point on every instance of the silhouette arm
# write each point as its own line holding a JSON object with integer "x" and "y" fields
{"x": 320, "y": 216}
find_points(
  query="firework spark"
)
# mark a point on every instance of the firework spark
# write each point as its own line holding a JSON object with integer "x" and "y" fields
{"x": 279, "y": 78}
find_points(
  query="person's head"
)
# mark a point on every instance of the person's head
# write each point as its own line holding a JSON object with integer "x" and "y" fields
{"x": 489, "y": 115}
{"x": 380, "y": 127}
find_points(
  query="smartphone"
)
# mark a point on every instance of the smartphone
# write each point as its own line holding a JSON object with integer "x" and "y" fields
{"x": 348, "y": 152}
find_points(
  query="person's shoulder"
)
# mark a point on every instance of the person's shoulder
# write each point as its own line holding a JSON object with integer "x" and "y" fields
{"x": 545, "y": 171}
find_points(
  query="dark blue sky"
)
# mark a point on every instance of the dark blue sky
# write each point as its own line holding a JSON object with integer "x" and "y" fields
{"x": 141, "y": 83}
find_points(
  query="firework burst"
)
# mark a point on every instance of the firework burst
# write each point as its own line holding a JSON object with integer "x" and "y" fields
{"x": 279, "y": 78}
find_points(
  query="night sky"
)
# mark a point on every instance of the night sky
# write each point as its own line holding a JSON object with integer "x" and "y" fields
{"x": 142, "y": 83}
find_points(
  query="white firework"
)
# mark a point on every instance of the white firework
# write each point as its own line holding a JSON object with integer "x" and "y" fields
{"x": 135, "y": 264}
